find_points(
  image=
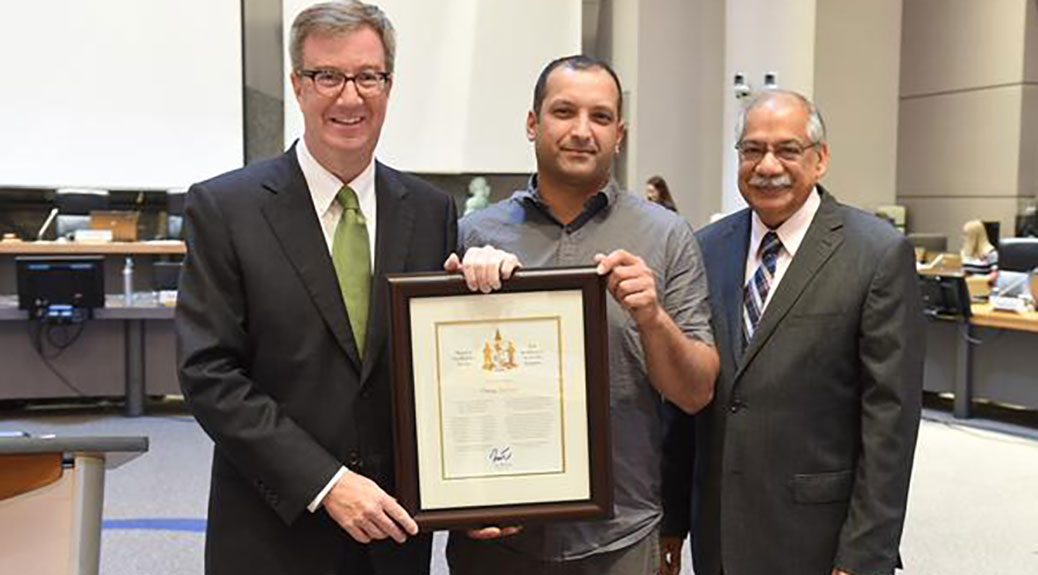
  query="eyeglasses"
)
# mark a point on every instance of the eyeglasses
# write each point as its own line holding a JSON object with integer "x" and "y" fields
{"x": 331, "y": 83}
{"x": 792, "y": 151}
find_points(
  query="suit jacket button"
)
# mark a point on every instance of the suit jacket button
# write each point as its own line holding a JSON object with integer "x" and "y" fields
{"x": 736, "y": 405}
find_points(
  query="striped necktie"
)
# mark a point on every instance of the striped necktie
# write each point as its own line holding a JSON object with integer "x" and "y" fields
{"x": 352, "y": 259}
{"x": 757, "y": 289}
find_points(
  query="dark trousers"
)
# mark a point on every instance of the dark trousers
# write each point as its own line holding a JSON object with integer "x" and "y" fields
{"x": 471, "y": 557}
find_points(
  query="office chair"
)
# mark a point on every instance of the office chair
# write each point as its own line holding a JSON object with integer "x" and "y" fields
{"x": 175, "y": 213}
{"x": 74, "y": 206}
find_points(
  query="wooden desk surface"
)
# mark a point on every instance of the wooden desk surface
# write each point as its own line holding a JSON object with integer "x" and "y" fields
{"x": 984, "y": 316}
{"x": 72, "y": 248}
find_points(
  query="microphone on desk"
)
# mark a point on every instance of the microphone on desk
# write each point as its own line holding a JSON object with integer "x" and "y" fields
{"x": 46, "y": 224}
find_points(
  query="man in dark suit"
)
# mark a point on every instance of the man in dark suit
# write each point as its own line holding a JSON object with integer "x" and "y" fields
{"x": 282, "y": 321}
{"x": 803, "y": 459}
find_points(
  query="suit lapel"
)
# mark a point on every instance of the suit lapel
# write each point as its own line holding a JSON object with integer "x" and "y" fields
{"x": 823, "y": 236}
{"x": 394, "y": 225}
{"x": 733, "y": 270}
{"x": 292, "y": 218}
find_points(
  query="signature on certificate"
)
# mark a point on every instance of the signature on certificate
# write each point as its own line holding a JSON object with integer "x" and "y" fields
{"x": 500, "y": 456}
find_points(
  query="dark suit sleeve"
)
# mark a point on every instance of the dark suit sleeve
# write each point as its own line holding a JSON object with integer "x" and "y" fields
{"x": 285, "y": 464}
{"x": 453, "y": 239}
{"x": 891, "y": 348}
{"x": 677, "y": 463}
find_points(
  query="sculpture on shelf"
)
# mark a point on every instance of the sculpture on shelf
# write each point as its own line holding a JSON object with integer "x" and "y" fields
{"x": 479, "y": 195}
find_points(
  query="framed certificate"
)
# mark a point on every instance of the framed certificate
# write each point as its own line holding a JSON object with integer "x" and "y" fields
{"x": 502, "y": 399}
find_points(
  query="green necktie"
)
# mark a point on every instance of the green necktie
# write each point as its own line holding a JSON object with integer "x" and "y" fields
{"x": 351, "y": 256}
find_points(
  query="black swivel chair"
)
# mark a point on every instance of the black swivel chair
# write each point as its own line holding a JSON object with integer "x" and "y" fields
{"x": 1018, "y": 254}
{"x": 175, "y": 214}
{"x": 74, "y": 207}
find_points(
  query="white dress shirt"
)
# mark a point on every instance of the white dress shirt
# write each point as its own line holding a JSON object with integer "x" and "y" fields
{"x": 324, "y": 187}
{"x": 791, "y": 233}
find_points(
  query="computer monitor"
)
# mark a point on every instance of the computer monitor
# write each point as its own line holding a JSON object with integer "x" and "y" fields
{"x": 65, "y": 285}
{"x": 1018, "y": 254}
{"x": 932, "y": 243}
{"x": 992, "y": 229}
{"x": 945, "y": 296}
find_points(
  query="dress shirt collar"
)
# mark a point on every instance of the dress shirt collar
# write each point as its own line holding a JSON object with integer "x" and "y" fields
{"x": 792, "y": 231}
{"x": 324, "y": 185}
{"x": 599, "y": 201}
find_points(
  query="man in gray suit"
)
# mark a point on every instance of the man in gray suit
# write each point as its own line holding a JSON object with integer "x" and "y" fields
{"x": 804, "y": 457}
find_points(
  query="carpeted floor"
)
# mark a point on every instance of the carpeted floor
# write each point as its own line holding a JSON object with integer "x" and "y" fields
{"x": 973, "y": 506}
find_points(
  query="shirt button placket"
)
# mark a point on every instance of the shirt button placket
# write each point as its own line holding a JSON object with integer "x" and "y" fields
{"x": 568, "y": 248}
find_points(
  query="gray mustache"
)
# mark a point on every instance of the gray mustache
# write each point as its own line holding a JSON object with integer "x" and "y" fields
{"x": 782, "y": 181}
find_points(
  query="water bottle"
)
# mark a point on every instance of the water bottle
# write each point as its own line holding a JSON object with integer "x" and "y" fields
{"x": 128, "y": 282}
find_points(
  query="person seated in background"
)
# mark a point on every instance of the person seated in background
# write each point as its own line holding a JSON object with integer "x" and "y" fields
{"x": 979, "y": 257}
{"x": 657, "y": 192}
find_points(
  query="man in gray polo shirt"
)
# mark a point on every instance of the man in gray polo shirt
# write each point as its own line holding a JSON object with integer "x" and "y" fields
{"x": 573, "y": 213}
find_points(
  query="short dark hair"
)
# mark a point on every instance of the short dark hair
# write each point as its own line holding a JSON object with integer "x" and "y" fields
{"x": 575, "y": 62}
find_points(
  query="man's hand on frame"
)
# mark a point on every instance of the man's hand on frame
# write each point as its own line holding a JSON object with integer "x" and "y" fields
{"x": 484, "y": 267}
{"x": 367, "y": 512}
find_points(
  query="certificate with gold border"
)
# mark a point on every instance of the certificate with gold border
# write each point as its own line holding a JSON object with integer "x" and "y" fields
{"x": 501, "y": 400}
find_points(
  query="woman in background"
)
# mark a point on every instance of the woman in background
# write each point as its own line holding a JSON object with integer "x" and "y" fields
{"x": 978, "y": 255}
{"x": 657, "y": 192}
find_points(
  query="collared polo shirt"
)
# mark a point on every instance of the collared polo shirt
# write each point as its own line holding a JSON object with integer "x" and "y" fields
{"x": 611, "y": 219}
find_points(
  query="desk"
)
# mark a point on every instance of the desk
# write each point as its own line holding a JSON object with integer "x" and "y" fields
{"x": 124, "y": 351}
{"x": 51, "y": 501}
{"x": 157, "y": 248}
{"x": 114, "y": 253}
{"x": 993, "y": 357}
{"x": 985, "y": 316}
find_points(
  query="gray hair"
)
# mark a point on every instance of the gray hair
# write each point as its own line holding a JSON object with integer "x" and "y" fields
{"x": 341, "y": 18}
{"x": 815, "y": 123}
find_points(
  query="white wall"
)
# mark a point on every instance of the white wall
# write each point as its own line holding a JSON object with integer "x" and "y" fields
{"x": 857, "y": 64}
{"x": 464, "y": 80}
{"x": 966, "y": 145}
{"x": 679, "y": 95}
{"x": 677, "y": 59}
{"x": 1029, "y": 114}
{"x": 951, "y": 45}
{"x": 618, "y": 38}
{"x": 764, "y": 36}
{"x": 119, "y": 94}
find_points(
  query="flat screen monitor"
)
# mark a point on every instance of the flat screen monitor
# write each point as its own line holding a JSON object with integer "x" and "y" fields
{"x": 73, "y": 281}
{"x": 932, "y": 243}
{"x": 992, "y": 229}
{"x": 1018, "y": 254}
{"x": 946, "y": 297}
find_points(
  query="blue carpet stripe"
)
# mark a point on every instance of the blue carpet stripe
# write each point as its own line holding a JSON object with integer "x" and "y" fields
{"x": 186, "y": 525}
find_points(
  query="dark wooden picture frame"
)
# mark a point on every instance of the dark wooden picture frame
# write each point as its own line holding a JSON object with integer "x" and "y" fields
{"x": 404, "y": 288}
